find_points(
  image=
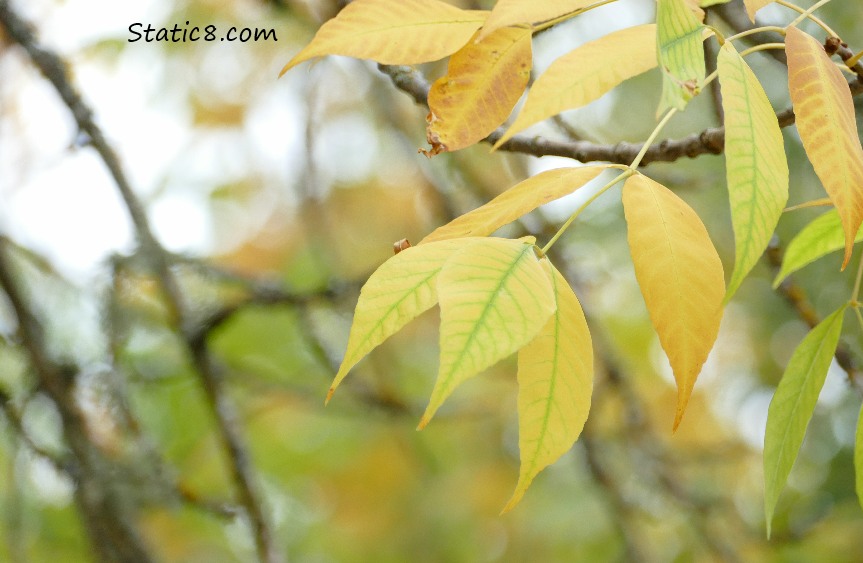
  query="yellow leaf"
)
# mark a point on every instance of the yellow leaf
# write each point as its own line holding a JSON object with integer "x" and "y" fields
{"x": 680, "y": 276}
{"x": 695, "y": 6}
{"x": 585, "y": 74}
{"x": 753, "y": 6}
{"x": 494, "y": 298}
{"x": 403, "y": 32}
{"x": 827, "y": 126}
{"x": 514, "y": 12}
{"x": 483, "y": 82}
{"x": 519, "y": 200}
{"x": 680, "y": 47}
{"x": 397, "y": 292}
{"x": 555, "y": 382}
{"x": 756, "y": 168}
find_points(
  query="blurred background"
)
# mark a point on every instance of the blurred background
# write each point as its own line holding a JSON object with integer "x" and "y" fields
{"x": 273, "y": 200}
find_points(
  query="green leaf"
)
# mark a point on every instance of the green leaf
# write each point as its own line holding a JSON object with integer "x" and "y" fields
{"x": 858, "y": 457}
{"x": 519, "y": 200}
{"x": 756, "y": 168}
{"x": 680, "y": 52}
{"x": 793, "y": 404}
{"x": 555, "y": 382}
{"x": 400, "y": 289}
{"x": 494, "y": 298}
{"x": 819, "y": 238}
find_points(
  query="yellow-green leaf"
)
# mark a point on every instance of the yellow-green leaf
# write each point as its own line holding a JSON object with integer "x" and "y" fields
{"x": 819, "y": 238}
{"x": 494, "y": 299}
{"x": 483, "y": 82}
{"x": 680, "y": 50}
{"x": 585, "y": 74}
{"x": 858, "y": 457}
{"x": 756, "y": 168}
{"x": 514, "y": 12}
{"x": 753, "y": 6}
{"x": 397, "y": 292}
{"x": 828, "y": 128}
{"x": 793, "y": 403}
{"x": 404, "y": 32}
{"x": 680, "y": 276}
{"x": 555, "y": 382}
{"x": 519, "y": 200}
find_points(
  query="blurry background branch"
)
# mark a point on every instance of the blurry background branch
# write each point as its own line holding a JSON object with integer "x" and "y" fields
{"x": 54, "y": 69}
{"x": 250, "y": 329}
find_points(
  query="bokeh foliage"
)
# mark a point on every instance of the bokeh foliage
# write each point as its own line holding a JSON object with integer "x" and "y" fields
{"x": 301, "y": 186}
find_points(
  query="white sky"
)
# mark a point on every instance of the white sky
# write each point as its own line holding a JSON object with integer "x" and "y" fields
{"x": 60, "y": 200}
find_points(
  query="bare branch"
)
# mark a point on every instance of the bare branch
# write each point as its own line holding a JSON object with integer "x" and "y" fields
{"x": 55, "y": 70}
{"x": 112, "y": 535}
{"x": 709, "y": 141}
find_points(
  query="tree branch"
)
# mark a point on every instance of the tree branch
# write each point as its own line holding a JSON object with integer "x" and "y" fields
{"x": 709, "y": 141}
{"x": 112, "y": 537}
{"x": 54, "y": 69}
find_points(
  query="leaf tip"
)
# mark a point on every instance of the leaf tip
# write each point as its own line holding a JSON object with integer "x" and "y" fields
{"x": 849, "y": 250}
{"x": 330, "y": 392}
{"x": 423, "y": 422}
{"x": 682, "y": 401}
{"x": 509, "y": 506}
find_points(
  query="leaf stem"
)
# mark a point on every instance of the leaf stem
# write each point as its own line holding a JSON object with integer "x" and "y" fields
{"x": 623, "y": 176}
{"x": 754, "y": 30}
{"x": 651, "y": 138}
{"x": 808, "y": 14}
{"x": 762, "y": 47}
{"x": 822, "y": 202}
{"x": 542, "y": 26}
{"x": 855, "y": 293}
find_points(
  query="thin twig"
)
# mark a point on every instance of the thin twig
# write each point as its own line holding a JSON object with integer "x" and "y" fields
{"x": 112, "y": 535}
{"x": 55, "y": 70}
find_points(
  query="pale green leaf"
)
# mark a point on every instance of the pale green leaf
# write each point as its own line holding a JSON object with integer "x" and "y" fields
{"x": 555, "y": 382}
{"x": 397, "y": 292}
{"x": 827, "y": 125}
{"x": 680, "y": 49}
{"x": 756, "y": 168}
{"x": 793, "y": 404}
{"x": 586, "y": 73}
{"x": 397, "y": 33}
{"x": 680, "y": 276}
{"x": 518, "y": 200}
{"x": 819, "y": 238}
{"x": 494, "y": 299}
